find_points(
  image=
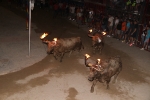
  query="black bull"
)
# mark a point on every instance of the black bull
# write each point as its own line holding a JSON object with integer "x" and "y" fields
{"x": 104, "y": 71}
{"x": 61, "y": 46}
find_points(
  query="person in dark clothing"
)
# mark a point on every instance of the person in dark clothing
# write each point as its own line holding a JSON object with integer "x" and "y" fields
{"x": 119, "y": 26}
{"x": 104, "y": 22}
{"x": 134, "y": 32}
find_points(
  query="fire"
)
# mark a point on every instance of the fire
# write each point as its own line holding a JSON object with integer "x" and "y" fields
{"x": 87, "y": 56}
{"x": 55, "y": 39}
{"x": 104, "y": 33}
{"x": 90, "y": 30}
{"x": 44, "y": 35}
{"x": 98, "y": 61}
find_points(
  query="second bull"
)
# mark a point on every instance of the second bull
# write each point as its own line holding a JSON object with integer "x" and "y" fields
{"x": 97, "y": 41}
{"x": 64, "y": 45}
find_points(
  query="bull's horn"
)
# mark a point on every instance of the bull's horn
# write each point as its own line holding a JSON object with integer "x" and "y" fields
{"x": 45, "y": 41}
{"x": 89, "y": 65}
{"x": 90, "y": 35}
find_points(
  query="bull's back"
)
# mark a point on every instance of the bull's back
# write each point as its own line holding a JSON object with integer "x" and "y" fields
{"x": 69, "y": 42}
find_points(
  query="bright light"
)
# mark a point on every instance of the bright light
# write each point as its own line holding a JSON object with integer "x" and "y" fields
{"x": 87, "y": 56}
{"x": 90, "y": 30}
{"x": 44, "y": 35}
{"x": 104, "y": 33}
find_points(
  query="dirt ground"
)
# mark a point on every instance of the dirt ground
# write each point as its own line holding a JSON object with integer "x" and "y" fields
{"x": 51, "y": 80}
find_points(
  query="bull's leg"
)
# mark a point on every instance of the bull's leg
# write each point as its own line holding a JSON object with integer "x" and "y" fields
{"x": 107, "y": 82}
{"x": 92, "y": 87}
{"x": 116, "y": 75}
{"x": 55, "y": 55}
{"x": 70, "y": 53}
{"x": 61, "y": 57}
{"x": 94, "y": 51}
{"x": 100, "y": 51}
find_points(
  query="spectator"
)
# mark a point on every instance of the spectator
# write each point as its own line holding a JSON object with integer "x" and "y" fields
{"x": 79, "y": 16}
{"x": 127, "y": 30}
{"x": 90, "y": 17}
{"x": 118, "y": 30}
{"x": 110, "y": 25}
{"x": 146, "y": 42}
{"x": 104, "y": 22}
{"x": 123, "y": 29}
{"x": 56, "y": 7}
{"x": 72, "y": 12}
{"x": 115, "y": 25}
{"x": 130, "y": 31}
{"x": 60, "y": 5}
{"x": 143, "y": 35}
{"x": 134, "y": 33}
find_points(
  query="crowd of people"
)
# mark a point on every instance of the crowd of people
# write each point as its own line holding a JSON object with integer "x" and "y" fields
{"x": 123, "y": 26}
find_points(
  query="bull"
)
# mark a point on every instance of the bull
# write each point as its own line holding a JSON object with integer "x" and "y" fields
{"x": 103, "y": 71}
{"x": 61, "y": 46}
{"x": 97, "y": 41}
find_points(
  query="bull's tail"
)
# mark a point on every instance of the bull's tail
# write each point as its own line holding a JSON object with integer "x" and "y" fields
{"x": 82, "y": 46}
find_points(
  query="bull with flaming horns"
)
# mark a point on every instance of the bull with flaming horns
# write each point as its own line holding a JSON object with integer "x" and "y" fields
{"x": 102, "y": 71}
{"x": 58, "y": 47}
{"x": 97, "y": 40}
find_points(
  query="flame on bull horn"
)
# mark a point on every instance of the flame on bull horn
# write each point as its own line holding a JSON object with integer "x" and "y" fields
{"x": 55, "y": 39}
{"x": 44, "y": 35}
{"x": 90, "y": 30}
{"x": 98, "y": 60}
{"x": 104, "y": 33}
{"x": 87, "y": 56}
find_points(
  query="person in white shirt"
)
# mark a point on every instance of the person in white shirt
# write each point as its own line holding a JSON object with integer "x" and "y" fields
{"x": 90, "y": 17}
{"x": 72, "y": 12}
{"x": 110, "y": 25}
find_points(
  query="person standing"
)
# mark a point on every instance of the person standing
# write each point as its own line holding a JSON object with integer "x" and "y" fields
{"x": 110, "y": 25}
{"x": 115, "y": 25}
{"x": 134, "y": 33}
{"x": 147, "y": 39}
{"x": 90, "y": 17}
{"x": 118, "y": 30}
{"x": 56, "y": 8}
{"x": 127, "y": 30}
{"x": 123, "y": 29}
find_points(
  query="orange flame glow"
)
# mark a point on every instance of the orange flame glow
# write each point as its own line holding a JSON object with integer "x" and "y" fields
{"x": 104, "y": 33}
{"x": 44, "y": 35}
{"x": 55, "y": 39}
{"x": 98, "y": 61}
{"x": 90, "y": 30}
{"x": 87, "y": 56}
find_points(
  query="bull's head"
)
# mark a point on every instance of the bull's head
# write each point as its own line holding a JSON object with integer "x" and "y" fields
{"x": 96, "y": 38}
{"x": 94, "y": 68}
{"x": 50, "y": 46}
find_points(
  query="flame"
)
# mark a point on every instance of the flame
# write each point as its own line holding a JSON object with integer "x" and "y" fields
{"x": 104, "y": 33}
{"x": 55, "y": 39}
{"x": 87, "y": 56}
{"x": 44, "y": 35}
{"x": 90, "y": 30}
{"x": 98, "y": 61}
